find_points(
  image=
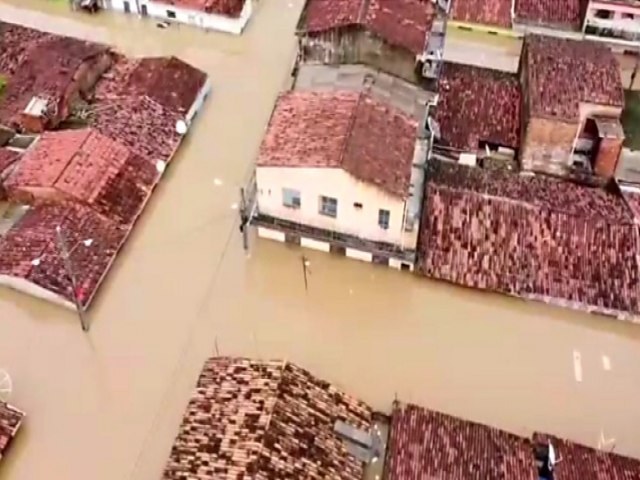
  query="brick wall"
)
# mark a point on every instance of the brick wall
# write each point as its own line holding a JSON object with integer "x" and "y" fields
{"x": 608, "y": 155}
{"x": 354, "y": 45}
{"x": 547, "y": 145}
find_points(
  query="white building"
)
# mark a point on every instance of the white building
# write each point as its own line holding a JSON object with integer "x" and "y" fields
{"x": 341, "y": 171}
{"x": 229, "y": 16}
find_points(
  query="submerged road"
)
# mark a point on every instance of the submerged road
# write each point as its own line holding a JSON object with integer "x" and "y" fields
{"x": 107, "y": 405}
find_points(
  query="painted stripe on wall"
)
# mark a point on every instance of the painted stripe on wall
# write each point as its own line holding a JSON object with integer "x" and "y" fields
{"x": 270, "y": 234}
{"x": 315, "y": 244}
{"x": 358, "y": 255}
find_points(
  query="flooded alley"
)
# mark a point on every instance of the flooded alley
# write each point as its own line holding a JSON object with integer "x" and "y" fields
{"x": 107, "y": 405}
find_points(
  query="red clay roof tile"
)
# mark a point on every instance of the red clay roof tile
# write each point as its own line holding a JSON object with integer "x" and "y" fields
{"x": 556, "y": 13}
{"x": 265, "y": 419}
{"x": 10, "y": 422}
{"x": 533, "y": 237}
{"x": 404, "y": 23}
{"x": 229, "y": 8}
{"x": 430, "y": 445}
{"x": 478, "y": 104}
{"x": 486, "y": 12}
{"x": 372, "y": 141}
{"x": 34, "y": 237}
{"x": 580, "y": 462}
{"x": 172, "y": 83}
{"x": 563, "y": 73}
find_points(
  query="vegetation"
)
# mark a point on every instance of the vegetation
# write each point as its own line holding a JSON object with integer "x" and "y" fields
{"x": 3, "y": 83}
{"x": 631, "y": 119}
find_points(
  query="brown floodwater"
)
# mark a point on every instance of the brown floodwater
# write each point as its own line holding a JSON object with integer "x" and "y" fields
{"x": 107, "y": 405}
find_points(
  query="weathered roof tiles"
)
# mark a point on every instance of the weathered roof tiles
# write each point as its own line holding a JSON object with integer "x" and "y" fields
{"x": 562, "y": 74}
{"x": 264, "y": 419}
{"x": 372, "y": 141}
{"x": 403, "y": 23}
{"x": 10, "y": 422}
{"x": 478, "y": 104}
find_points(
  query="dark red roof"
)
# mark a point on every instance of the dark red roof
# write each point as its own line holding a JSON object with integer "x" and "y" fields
{"x": 7, "y": 158}
{"x": 563, "y": 73}
{"x": 533, "y": 237}
{"x": 404, "y": 23}
{"x": 15, "y": 43}
{"x": 34, "y": 237}
{"x": 86, "y": 166}
{"x": 477, "y": 104}
{"x": 229, "y": 8}
{"x": 580, "y": 462}
{"x": 172, "y": 83}
{"x": 556, "y": 13}
{"x": 10, "y": 422}
{"x": 372, "y": 141}
{"x": 424, "y": 444}
{"x": 46, "y": 70}
{"x": 486, "y": 12}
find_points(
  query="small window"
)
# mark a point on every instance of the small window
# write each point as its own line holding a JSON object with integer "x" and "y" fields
{"x": 383, "y": 218}
{"x": 604, "y": 14}
{"x": 628, "y": 16}
{"x": 357, "y": 205}
{"x": 328, "y": 206}
{"x": 291, "y": 198}
{"x": 171, "y": 14}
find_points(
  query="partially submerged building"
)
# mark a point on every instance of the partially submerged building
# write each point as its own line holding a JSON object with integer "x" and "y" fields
{"x": 10, "y": 422}
{"x": 268, "y": 419}
{"x": 401, "y": 37}
{"x": 341, "y": 172}
{"x": 82, "y": 186}
{"x": 533, "y": 237}
{"x": 614, "y": 21}
{"x": 573, "y": 100}
{"x": 229, "y": 16}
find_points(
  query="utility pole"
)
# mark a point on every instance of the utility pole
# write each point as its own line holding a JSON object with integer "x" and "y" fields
{"x": 305, "y": 266}
{"x": 68, "y": 265}
{"x": 244, "y": 220}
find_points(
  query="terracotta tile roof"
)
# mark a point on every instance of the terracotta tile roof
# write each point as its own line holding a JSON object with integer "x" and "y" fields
{"x": 139, "y": 123}
{"x": 487, "y": 12}
{"x": 478, "y": 104}
{"x": 424, "y": 444}
{"x": 556, "y": 13}
{"x": 404, "y": 23}
{"x": 229, "y": 8}
{"x": 533, "y": 237}
{"x": 264, "y": 419}
{"x": 372, "y": 141}
{"x": 584, "y": 463}
{"x": 172, "y": 83}
{"x": 34, "y": 237}
{"x": 15, "y": 42}
{"x": 46, "y": 70}
{"x": 7, "y": 158}
{"x": 563, "y": 73}
{"x": 10, "y": 422}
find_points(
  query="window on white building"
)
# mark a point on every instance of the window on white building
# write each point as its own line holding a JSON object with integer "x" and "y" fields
{"x": 604, "y": 14}
{"x": 291, "y": 198}
{"x": 383, "y": 218}
{"x": 328, "y": 206}
{"x": 171, "y": 14}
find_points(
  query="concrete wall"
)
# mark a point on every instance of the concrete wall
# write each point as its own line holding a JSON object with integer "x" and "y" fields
{"x": 184, "y": 15}
{"x": 333, "y": 182}
{"x": 354, "y": 45}
{"x": 547, "y": 144}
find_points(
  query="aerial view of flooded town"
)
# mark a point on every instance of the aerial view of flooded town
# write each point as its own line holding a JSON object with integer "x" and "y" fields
{"x": 319, "y": 239}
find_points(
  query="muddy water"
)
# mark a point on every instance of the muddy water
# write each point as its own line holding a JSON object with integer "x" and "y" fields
{"x": 106, "y": 405}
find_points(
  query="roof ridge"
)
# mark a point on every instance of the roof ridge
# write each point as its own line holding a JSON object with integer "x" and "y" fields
{"x": 364, "y": 10}
{"x": 89, "y": 131}
{"x": 350, "y": 127}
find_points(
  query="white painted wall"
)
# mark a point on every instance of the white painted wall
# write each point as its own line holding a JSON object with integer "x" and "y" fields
{"x": 198, "y": 102}
{"x": 191, "y": 17}
{"x": 333, "y": 182}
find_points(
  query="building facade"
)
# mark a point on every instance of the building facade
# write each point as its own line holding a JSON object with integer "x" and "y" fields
{"x": 341, "y": 172}
{"x": 230, "y": 17}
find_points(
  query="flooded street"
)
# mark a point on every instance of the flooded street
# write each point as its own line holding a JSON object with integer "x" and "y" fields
{"x": 107, "y": 405}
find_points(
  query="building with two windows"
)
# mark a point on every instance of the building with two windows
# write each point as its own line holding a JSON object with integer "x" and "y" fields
{"x": 341, "y": 171}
